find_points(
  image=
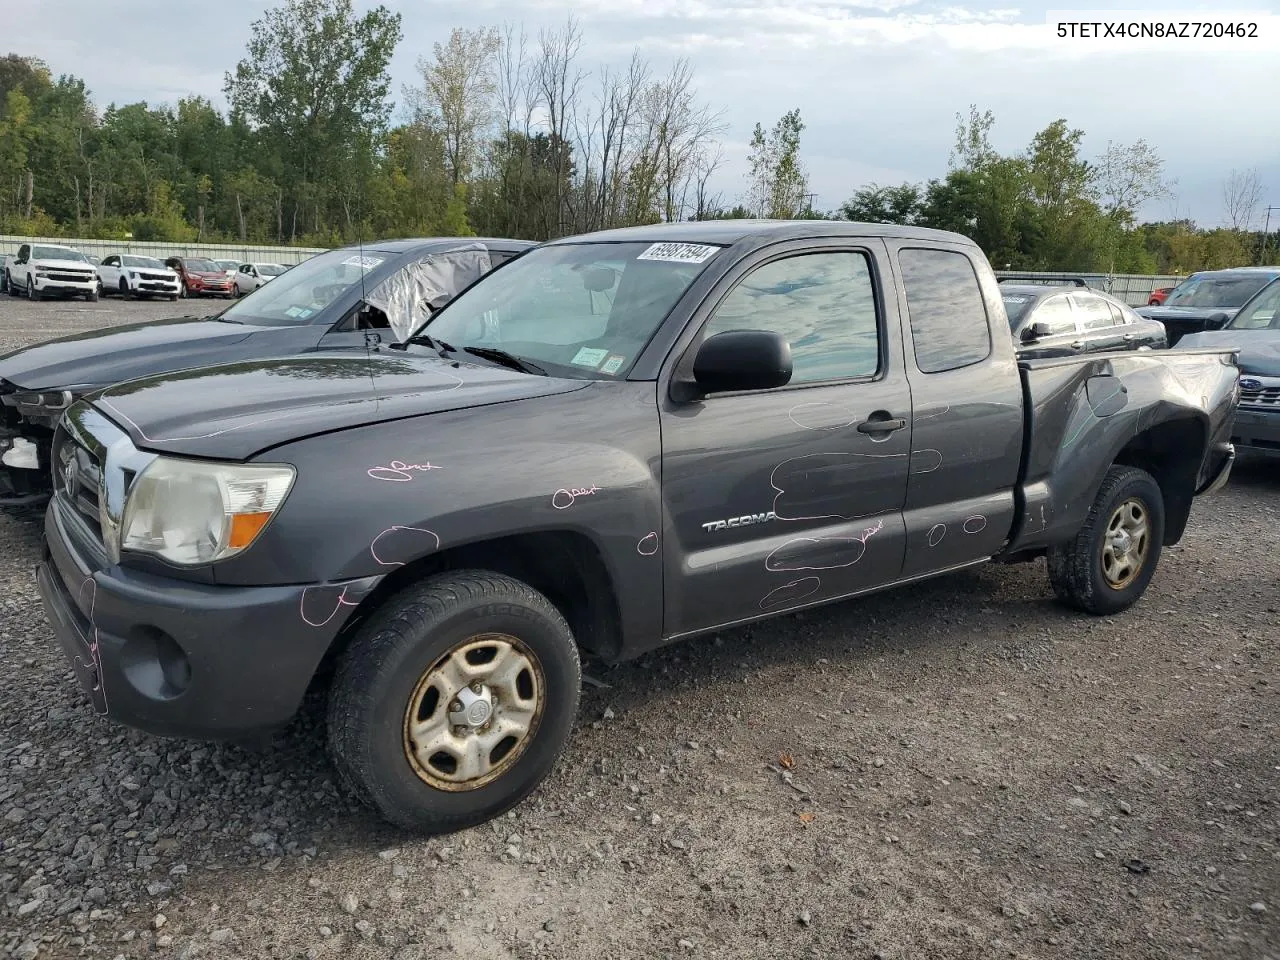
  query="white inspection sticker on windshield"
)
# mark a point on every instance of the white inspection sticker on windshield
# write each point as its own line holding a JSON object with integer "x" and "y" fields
{"x": 589, "y": 357}
{"x": 367, "y": 262}
{"x": 679, "y": 252}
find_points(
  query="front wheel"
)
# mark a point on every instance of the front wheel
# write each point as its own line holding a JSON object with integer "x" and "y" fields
{"x": 454, "y": 700}
{"x": 92, "y": 295}
{"x": 32, "y": 293}
{"x": 1107, "y": 566}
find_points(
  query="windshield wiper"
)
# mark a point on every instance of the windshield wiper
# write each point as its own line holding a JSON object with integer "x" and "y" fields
{"x": 506, "y": 359}
{"x": 425, "y": 340}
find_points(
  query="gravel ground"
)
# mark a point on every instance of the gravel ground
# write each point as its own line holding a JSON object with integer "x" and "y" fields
{"x": 964, "y": 770}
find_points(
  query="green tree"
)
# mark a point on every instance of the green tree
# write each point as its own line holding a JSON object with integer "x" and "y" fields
{"x": 778, "y": 182}
{"x": 312, "y": 90}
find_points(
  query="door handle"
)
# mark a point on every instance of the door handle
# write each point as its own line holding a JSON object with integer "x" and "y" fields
{"x": 884, "y": 424}
{"x": 1077, "y": 344}
{"x": 1129, "y": 337}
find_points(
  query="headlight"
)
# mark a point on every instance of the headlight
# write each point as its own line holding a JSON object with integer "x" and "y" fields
{"x": 193, "y": 513}
{"x": 133, "y": 275}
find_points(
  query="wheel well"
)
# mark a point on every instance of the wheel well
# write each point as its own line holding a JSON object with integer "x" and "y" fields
{"x": 1172, "y": 453}
{"x": 564, "y": 566}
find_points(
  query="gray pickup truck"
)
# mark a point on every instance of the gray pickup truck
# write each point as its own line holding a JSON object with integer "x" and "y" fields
{"x": 608, "y": 444}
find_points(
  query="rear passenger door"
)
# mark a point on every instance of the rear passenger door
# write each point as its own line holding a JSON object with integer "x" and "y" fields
{"x": 777, "y": 499}
{"x": 109, "y": 272}
{"x": 1101, "y": 328}
{"x": 966, "y": 442}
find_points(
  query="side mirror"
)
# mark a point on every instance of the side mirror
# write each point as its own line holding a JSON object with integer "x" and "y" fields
{"x": 742, "y": 360}
{"x": 1217, "y": 321}
{"x": 1037, "y": 331}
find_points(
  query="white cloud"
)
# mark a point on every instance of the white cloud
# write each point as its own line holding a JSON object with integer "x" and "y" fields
{"x": 878, "y": 82}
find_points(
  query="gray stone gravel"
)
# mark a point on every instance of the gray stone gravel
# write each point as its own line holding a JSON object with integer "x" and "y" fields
{"x": 978, "y": 767}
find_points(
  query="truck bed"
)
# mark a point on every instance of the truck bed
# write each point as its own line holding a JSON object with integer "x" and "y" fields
{"x": 1154, "y": 410}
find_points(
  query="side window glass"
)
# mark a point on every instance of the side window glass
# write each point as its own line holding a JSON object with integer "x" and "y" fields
{"x": 1056, "y": 312}
{"x": 822, "y": 303}
{"x": 1095, "y": 313}
{"x": 944, "y": 303}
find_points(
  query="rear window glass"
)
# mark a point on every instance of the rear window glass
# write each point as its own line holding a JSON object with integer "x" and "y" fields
{"x": 944, "y": 303}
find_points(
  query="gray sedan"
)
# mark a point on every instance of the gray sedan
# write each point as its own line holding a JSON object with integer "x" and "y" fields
{"x": 1051, "y": 321}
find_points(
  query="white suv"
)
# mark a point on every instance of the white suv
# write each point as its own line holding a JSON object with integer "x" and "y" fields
{"x": 41, "y": 269}
{"x": 251, "y": 276}
{"x": 132, "y": 276}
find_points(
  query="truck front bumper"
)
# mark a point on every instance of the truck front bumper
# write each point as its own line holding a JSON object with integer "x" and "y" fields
{"x": 48, "y": 285}
{"x": 178, "y": 658}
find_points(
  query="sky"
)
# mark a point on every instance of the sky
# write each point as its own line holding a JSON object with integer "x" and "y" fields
{"x": 878, "y": 82}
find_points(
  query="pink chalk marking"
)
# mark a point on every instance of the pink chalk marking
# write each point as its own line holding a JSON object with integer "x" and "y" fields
{"x": 648, "y": 544}
{"x": 95, "y": 652}
{"x": 342, "y": 601}
{"x": 564, "y": 498}
{"x": 397, "y": 471}
{"x": 373, "y": 547}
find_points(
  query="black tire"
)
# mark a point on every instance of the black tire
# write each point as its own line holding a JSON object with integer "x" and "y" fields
{"x": 379, "y": 672}
{"x": 4, "y": 282}
{"x": 32, "y": 293}
{"x": 92, "y": 295}
{"x": 1076, "y": 568}
{"x": 173, "y": 298}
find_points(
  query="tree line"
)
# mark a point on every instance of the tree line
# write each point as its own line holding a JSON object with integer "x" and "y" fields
{"x": 504, "y": 134}
{"x": 1049, "y": 208}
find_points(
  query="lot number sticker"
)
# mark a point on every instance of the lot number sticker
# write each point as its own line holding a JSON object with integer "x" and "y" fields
{"x": 613, "y": 364}
{"x": 679, "y": 252}
{"x": 590, "y": 357}
{"x": 367, "y": 262}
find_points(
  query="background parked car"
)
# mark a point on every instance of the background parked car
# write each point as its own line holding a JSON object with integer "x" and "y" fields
{"x": 1065, "y": 320}
{"x": 1255, "y": 332}
{"x": 4, "y": 276}
{"x": 322, "y": 304}
{"x": 1159, "y": 296}
{"x": 133, "y": 276}
{"x": 1208, "y": 299}
{"x": 251, "y": 276}
{"x": 42, "y": 269}
{"x": 200, "y": 276}
{"x": 229, "y": 267}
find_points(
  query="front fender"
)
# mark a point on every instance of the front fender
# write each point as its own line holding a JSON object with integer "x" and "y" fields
{"x": 372, "y": 500}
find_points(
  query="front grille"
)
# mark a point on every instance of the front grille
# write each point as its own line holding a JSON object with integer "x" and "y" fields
{"x": 1265, "y": 397}
{"x": 77, "y": 477}
{"x": 158, "y": 277}
{"x": 62, "y": 276}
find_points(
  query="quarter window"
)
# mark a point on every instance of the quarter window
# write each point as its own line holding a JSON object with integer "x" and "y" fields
{"x": 944, "y": 303}
{"x": 822, "y": 303}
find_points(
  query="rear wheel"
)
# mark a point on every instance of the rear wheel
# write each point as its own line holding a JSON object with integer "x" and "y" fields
{"x": 454, "y": 700}
{"x": 1107, "y": 566}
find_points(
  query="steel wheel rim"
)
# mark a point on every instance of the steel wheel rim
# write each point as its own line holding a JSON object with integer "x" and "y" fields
{"x": 1126, "y": 543}
{"x": 465, "y": 749}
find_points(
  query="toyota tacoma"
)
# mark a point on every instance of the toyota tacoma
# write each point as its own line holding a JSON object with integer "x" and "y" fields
{"x": 610, "y": 443}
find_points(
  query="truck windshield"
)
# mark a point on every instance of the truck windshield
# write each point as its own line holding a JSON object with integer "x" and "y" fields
{"x": 298, "y": 294}
{"x": 1228, "y": 292}
{"x": 1262, "y": 313}
{"x": 581, "y": 309}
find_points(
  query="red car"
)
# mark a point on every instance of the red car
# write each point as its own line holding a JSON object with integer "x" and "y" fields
{"x": 201, "y": 277}
{"x": 1158, "y": 297}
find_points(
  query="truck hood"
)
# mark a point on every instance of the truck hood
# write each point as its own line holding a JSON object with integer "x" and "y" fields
{"x": 1259, "y": 349}
{"x": 101, "y": 357}
{"x": 58, "y": 263}
{"x": 236, "y": 410}
{"x": 1184, "y": 313}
